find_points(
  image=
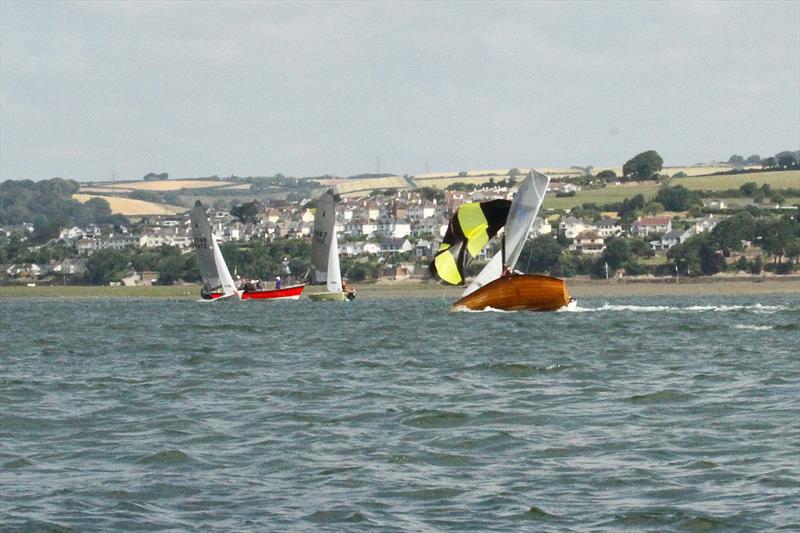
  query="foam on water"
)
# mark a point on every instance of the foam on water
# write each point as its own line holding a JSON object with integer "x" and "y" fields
{"x": 756, "y": 308}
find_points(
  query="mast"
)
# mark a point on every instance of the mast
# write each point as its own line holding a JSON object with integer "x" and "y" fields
{"x": 503, "y": 250}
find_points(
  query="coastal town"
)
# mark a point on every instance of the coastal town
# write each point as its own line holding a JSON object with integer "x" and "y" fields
{"x": 398, "y": 232}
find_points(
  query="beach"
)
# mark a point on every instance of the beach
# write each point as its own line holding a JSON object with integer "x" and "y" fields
{"x": 577, "y": 287}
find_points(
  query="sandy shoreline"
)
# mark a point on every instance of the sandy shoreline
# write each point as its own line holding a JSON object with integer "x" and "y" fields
{"x": 578, "y": 288}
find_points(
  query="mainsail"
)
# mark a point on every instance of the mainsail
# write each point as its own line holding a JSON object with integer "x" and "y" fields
{"x": 475, "y": 223}
{"x": 325, "y": 246}
{"x": 213, "y": 269}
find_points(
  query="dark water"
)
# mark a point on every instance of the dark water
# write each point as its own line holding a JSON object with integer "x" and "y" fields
{"x": 642, "y": 414}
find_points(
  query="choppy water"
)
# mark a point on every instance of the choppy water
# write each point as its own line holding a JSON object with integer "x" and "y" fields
{"x": 658, "y": 414}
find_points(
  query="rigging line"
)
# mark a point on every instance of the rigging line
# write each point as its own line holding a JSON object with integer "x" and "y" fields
{"x": 530, "y": 253}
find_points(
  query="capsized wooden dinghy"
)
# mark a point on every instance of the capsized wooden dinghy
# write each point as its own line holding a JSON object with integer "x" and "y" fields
{"x": 470, "y": 230}
{"x": 517, "y": 292}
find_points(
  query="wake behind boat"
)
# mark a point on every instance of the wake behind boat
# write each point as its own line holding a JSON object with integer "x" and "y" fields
{"x": 498, "y": 286}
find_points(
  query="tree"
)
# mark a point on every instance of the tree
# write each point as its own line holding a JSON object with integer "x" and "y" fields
{"x": 786, "y": 160}
{"x": 653, "y": 208}
{"x": 678, "y": 198}
{"x": 643, "y": 166}
{"x": 630, "y": 206}
{"x": 608, "y": 175}
{"x": 152, "y": 176}
{"x": 106, "y": 265}
{"x": 736, "y": 160}
{"x": 749, "y": 188}
{"x": 543, "y": 253}
{"x": 753, "y": 160}
{"x": 769, "y": 162}
{"x": 616, "y": 254}
{"x": 729, "y": 233}
{"x": 247, "y": 212}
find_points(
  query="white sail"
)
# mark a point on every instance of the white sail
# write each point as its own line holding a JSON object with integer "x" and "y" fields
{"x": 325, "y": 246}
{"x": 228, "y": 285}
{"x": 334, "y": 277}
{"x": 521, "y": 215}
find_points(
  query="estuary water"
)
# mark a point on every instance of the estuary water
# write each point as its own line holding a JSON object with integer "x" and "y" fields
{"x": 396, "y": 415}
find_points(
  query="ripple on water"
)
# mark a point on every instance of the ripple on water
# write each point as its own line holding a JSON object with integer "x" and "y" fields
{"x": 655, "y": 414}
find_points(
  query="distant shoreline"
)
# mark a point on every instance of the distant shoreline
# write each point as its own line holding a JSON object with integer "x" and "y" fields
{"x": 577, "y": 287}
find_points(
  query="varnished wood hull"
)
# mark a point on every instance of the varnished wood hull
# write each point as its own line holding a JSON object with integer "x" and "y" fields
{"x": 515, "y": 293}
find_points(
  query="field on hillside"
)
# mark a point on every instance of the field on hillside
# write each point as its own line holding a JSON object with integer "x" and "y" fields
{"x": 606, "y": 195}
{"x": 130, "y": 207}
{"x": 617, "y": 193}
{"x": 353, "y": 186}
{"x": 782, "y": 179}
{"x": 104, "y": 190}
{"x": 441, "y": 183}
{"x": 162, "y": 186}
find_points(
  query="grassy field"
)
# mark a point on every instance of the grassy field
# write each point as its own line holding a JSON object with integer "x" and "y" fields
{"x": 353, "y": 186}
{"x": 606, "y": 195}
{"x": 617, "y": 193}
{"x": 99, "y": 291}
{"x": 783, "y": 179}
{"x": 131, "y": 207}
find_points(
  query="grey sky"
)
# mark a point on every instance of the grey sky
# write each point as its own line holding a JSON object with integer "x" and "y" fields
{"x": 304, "y": 89}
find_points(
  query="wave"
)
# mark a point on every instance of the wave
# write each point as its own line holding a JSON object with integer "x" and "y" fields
{"x": 758, "y": 308}
{"x": 664, "y": 396}
{"x": 752, "y": 327}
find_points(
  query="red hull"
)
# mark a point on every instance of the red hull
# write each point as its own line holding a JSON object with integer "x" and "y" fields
{"x": 211, "y": 295}
{"x": 284, "y": 293}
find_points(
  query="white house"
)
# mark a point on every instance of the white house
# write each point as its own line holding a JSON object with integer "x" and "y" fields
{"x": 540, "y": 227}
{"x": 572, "y": 226}
{"x": 608, "y": 227}
{"x": 649, "y": 225}
{"x": 588, "y": 242}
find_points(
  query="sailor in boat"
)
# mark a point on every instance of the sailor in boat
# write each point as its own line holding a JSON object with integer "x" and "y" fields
{"x": 348, "y": 290}
{"x": 278, "y": 282}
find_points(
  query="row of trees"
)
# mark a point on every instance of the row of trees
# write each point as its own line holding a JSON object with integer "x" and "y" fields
{"x": 702, "y": 254}
{"x": 49, "y": 206}
{"x": 785, "y": 159}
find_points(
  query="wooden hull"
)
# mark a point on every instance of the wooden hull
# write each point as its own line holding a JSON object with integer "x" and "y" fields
{"x": 519, "y": 292}
{"x": 284, "y": 293}
{"x": 327, "y": 296}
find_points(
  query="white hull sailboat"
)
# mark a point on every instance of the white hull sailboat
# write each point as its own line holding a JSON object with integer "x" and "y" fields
{"x": 325, "y": 252}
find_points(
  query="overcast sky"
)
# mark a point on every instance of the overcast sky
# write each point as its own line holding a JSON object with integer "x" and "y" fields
{"x": 304, "y": 89}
